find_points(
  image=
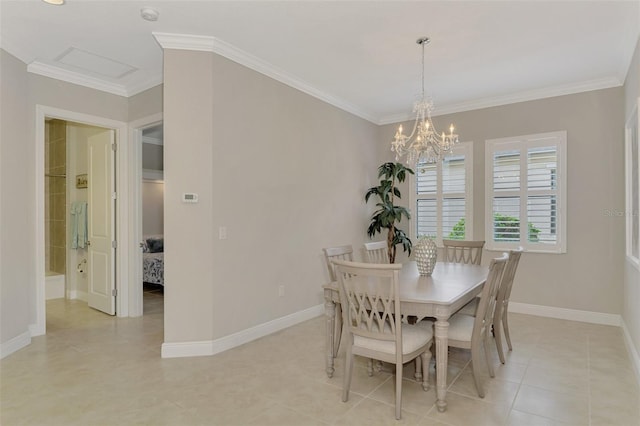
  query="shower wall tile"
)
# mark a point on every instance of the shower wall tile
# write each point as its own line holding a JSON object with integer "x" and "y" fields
{"x": 55, "y": 195}
{"x": 59, "y": 256}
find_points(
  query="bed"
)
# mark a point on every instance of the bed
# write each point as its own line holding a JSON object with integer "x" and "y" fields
{"x": 153, "y": 260}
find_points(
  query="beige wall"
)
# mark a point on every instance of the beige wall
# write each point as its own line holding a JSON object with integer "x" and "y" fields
{"x": 17, "y": 270}
{"x": 631, "y": 310}
{"x": 152, "y": 156}
{"x": 145, "y": 103}
{"x": 589, "y": 276}
{"x": 152, "y": 207}
{"x": 284, "y": 172}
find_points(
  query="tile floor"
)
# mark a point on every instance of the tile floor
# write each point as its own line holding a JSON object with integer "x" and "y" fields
{"x": 91, "y": 369}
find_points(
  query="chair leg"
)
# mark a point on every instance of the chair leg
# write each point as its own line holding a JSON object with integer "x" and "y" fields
{"x": 338, "y": 330}
{"x": 498, "y": 337}
{"x": 398, "y": 391}
{"x": 475, "y": 366}
{"x": 426, "y": 358}
{"x": 370, "y": 367}
{"x": 419, "y": 368}
{"x": 346, "y": 380}
{"x": 505, "y": 328}
{"x": 487, "y": 353}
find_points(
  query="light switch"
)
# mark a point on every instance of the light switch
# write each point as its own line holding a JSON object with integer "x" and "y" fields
{"x": 222, "y": 233}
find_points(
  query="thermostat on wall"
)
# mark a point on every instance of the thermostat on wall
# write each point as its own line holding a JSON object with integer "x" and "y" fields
{"x": 189, "y": 197}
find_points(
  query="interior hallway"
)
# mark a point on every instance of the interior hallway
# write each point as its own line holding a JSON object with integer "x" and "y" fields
{"x": 92, "y": 369}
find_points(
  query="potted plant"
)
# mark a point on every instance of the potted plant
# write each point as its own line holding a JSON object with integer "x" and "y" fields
{"x": 388, "y": 214}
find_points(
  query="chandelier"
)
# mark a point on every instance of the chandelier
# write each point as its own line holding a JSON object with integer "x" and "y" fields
{"x": 424, "y": 144}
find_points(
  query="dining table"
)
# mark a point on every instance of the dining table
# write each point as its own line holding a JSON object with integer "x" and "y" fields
{"x": 440, "y": 295}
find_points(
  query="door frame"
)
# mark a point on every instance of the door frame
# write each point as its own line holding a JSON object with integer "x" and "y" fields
{"x": 135, "y": 209}
{"x": 121, "y": 213}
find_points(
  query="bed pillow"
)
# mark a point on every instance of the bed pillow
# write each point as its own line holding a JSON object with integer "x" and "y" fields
{"x": 155, "y": 244}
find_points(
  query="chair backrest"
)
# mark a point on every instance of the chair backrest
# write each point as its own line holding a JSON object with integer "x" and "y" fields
{"x": 370, "y": 301}
{"x": 377, "y": 252}
{"x": 487, "y": 305}
{"x": 338, "y": 253}
{"x": 463, "y": 251}
{"x": 509, "y": 274}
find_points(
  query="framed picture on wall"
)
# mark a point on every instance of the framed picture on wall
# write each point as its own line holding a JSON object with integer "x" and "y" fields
{"x": 632, "y": 186}
{"x": 82, "y": 181}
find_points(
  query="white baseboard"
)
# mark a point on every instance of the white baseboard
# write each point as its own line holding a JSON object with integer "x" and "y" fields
{"x": 567, "y": 314}
{"x": 79, "y": 295}
{"x": 212, "y": 347}
{"x": 35, "y": 330}
{"x": 633, "y": 353}
{"x": 15, "y": 344}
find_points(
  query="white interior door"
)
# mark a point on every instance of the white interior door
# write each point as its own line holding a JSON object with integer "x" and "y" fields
{"x": 101, "y": 222}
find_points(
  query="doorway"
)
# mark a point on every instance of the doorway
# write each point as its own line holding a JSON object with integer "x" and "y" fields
{"x": 152, "y": 188}
{"x": 117, "y": 133}
{"x": 146, "y": 165}
{"x": 79, "y": 214}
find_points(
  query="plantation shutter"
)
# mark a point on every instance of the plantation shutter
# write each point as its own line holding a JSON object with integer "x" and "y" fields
{"x": 427, "y": 206}
{"x": 526, "y": 182}
{"x": 440, "y": 197}
{"x": 506, "y": 199}
{"x": 453, "y": 196}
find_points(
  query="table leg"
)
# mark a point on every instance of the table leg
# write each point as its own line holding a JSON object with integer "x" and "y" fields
{"x": 330, "y": 313}
{"x": 442, "y": 351}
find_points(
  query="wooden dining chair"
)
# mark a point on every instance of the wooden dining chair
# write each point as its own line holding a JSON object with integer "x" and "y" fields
{"x": 338, "y": 253}
{"x": 500, "y": 317}
{"x": 377, "y": 252}
{"x": 458, "y": 251}
{"x": 469, "y": 252}
{"x": 370, "y": 298}
{"x": 467, "y": 332}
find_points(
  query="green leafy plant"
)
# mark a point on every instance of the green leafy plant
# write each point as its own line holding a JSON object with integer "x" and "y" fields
{"x": 388, "y": 214}
{"x": 457, "y": 232}
{"x": 506, "y": 228}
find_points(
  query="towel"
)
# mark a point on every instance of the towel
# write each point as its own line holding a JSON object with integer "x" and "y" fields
{"x": 79, "y": 222}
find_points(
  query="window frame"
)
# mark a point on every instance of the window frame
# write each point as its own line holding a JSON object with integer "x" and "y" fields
{"x": 523, "y": 144}
{"x": 461, "y": 148}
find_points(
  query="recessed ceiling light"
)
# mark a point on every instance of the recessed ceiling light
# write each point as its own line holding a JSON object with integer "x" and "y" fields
{"x": 149, "y": 14}
{"x": 56, "y": 2}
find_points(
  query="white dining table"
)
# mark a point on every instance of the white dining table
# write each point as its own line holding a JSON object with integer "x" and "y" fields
{"x": 449, "y": 288}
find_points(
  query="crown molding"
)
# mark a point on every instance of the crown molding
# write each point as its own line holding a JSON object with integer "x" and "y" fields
{"x": 76, "y": 78}
{"x": 531, "y": 95}
{"x": 222, "y": 48}
{"x": 185, "y": 41}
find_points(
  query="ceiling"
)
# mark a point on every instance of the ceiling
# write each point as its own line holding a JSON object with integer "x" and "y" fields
{"x": 358, "y": 55}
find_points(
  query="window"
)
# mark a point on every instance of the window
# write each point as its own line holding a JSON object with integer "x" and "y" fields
{"x": 526, "y": 181}
{"x": 441, "y": 201}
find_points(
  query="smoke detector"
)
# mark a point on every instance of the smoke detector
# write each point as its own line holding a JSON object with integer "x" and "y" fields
{"x": 149, "y": 14}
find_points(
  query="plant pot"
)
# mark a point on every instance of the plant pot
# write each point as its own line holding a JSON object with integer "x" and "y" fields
{"x": 426, "y": 254}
